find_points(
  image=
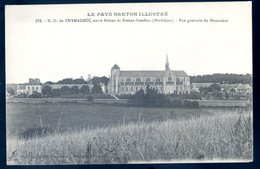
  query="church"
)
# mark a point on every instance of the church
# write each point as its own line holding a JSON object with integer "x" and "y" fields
{"x": 164, "y": 81}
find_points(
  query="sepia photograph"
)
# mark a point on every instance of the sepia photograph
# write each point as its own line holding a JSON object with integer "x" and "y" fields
{"x": 129, "y": 83}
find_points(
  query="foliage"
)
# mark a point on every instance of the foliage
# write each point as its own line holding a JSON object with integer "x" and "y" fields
{"x": 55, "y": 92}
{"x": 46, "y": 90}
{"x": 35, "y": 95}
{"x": 138, "y": 98}
{"x": 152, "y": 98}
{"x": 222, "y": 78}
{"x": 214, "y": 87}
{"x": 10, "y": 91}
{"x": 65, "y": 90}
{"x": 84, "y": 89}
{"x": 97, "y": 80}
{"x": 149, "y": 98}
{"x": 96, "y": 89}
{"x": 72, "y": 81}
{"x": 74, "y": 90}
{"x": 217, "y": 95}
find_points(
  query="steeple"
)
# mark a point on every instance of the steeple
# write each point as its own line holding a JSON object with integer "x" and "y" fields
{"x": 167, "y": 63}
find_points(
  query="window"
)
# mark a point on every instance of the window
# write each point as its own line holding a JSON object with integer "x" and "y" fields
{"x": 169, "y": 79}
{"x": 128, "y": 79}
{"x": 157, "y": 79}
{"x": 32, "y": 88}
{"x": 136, "y": 88}
{"x": 138, "y": 79}
{"x": 178, "y": 79}
{"x": 126, "y": 88}
{"x": 122, "y": 88}
{"x": 131, "y": 88}
{"x": 36, "y": 88}
{"x": 148, "y": 79}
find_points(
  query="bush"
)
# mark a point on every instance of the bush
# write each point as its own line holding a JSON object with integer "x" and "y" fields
{"x": 35, "y": 95}
{"x": 149, "y": 98}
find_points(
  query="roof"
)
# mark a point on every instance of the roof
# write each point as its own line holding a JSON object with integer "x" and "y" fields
{"x": 199, "y": 85}
{"x": 179, "y": 73}
{"x": 154, "y": 73}
{"x": 244, "y": 86}
{"x": 115, "y": 67}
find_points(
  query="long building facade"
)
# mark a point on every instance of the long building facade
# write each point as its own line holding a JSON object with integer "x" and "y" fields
{"x": 164, "y": 81}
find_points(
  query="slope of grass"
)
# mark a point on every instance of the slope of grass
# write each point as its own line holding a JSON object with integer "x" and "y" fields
{"x": 222, "y": 137}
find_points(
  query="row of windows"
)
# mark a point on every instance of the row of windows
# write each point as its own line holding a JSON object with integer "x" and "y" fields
{"x": 36, "y": 88}
{"x": 138, "y": 88}
{"x": 139, "y": 79}
{"x": 149, "y": 79}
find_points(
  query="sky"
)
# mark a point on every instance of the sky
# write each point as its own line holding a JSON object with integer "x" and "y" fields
{"x": 53, "y": 51}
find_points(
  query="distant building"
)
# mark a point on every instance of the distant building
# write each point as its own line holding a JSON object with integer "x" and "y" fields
{"x": 59, "y": 86}
{"x": 237, "y": 90}
{"x": 164, "y": 81}
{"x": 195, "y": 87}
{"x": 34, "y": 86}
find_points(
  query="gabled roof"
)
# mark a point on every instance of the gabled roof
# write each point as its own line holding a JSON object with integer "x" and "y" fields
{"x": 180, "y": 73}
{"x": 244, "y": 86}
{"x": 199, "y": 85}
{"x": 142, "y": 73}
{"x": 115, "y": 67}
{"x": 153, "y": 73}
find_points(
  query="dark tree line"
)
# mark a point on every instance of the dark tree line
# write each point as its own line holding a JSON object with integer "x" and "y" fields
{"x": 47, "y": 91}
{"x": 152, "y": 98}
{"x": 222, "y": 78}
{"x": 95, "y": 80}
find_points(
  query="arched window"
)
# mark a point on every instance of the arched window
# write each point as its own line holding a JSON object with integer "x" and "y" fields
{"x": 138, "y": 79}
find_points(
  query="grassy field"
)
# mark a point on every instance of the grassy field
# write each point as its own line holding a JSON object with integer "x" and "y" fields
{"x": 101, "y": 134}
{"x": 76, "y": 116}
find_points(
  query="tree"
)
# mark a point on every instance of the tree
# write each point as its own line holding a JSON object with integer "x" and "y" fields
{"x": 217, "y": 94}
{"x": 47, "y": 90}
{"x": 222, "y": 78}
{"x": 55, "y": 92}
{"x": 194, "y": 95}
{"x": 149, "y": 98}
{"x": 214, "y": 87}
{"x": 138, "y": 98}
{"x": 65, "y": 90}
{"x": 84, "y": 89}
{"x": 96, "y": 89}
{"x": 10, "y": 91}
{"x": 74, "y": 89}
{"x": 97, "y": 80}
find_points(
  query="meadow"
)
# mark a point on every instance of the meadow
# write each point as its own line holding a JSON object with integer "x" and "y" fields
{"x": 103, "y": 134}
{"x": 22, "y": 117}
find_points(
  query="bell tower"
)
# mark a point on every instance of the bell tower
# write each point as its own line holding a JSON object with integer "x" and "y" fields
{"x": 115, "y": 71}
{"x": 167, "y": 67}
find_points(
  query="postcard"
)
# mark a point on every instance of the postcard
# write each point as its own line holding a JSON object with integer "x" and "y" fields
{"x": 125, "y": 83}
